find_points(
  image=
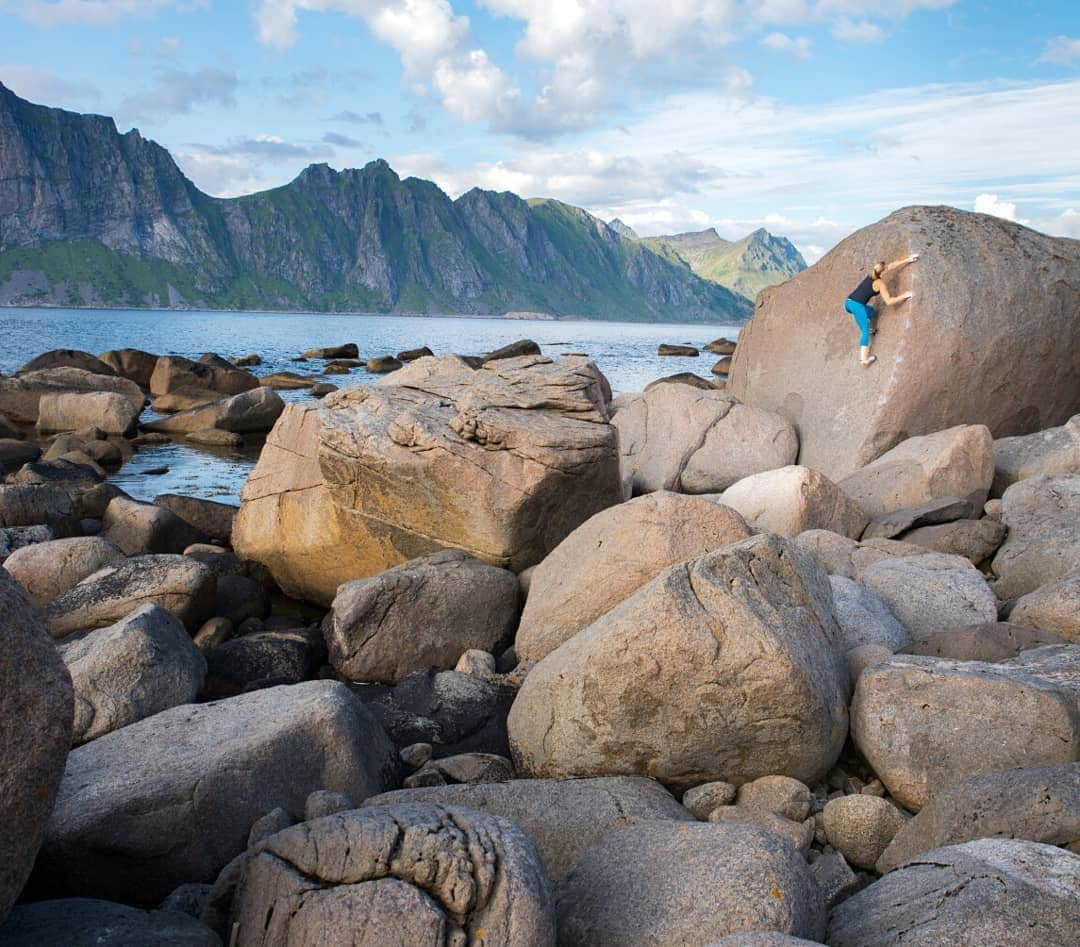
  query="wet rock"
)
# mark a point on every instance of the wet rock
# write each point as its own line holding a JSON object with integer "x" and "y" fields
{"x": 128, "y": 824}
{"x": 422, "y": 613}
{"x": 208, "y": 516}
{"x": 47, "y": 569}
{"x": 428, "y": 873}
{"x": 411, "y": 355}
{"x": 13, "y": 454}
{"x": 247, "y": 361}
{"x": 662, "y": 698}
{"x": 792, "y": 500}
{"x": 138, "y": 667}
{"x": 287, "y": 381}
{"x": 35, "y": 734}
{"x": 1043, "y": 544}
{"x": 991, "y": 891}
{"x": 1039, "y": 805}
{"x": 348, "y": 350}
{"x": 1051, "y": 452}
{"x": 133, "y": 364}
{"x": 613, "y": 554}
{"x": 383, "y": 364}
{"x": 924, "y": 724}
{"x": 667, "y": 348}
{"x": 103, "y": 452}
{"x": 109, "y": 411}
{"x": 678, "y": 438}
{"x": 514, "y": 350}
{"x": 995, "y": 641}
{"x": 633, "y": 887}
{"x": 861, "y": 827}
{"x": 722, "y": 366}
{"x": 178, "y": 584}
{"x": 90, "y": 921}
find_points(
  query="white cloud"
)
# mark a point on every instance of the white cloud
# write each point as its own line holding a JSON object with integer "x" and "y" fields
{"x": 1063, "y": 50}
{"x": 861, "y": 31}
{"x": 1066, "y": 224}
{"x": 89, "y": 12}
{"x": 176, "y": 92}
{"x": 799, "y": 46}
{"x": 995, "y": 206}
{"x": 47, "y": 88}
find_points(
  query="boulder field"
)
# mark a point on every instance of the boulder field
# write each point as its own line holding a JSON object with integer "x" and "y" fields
{"x": 488, "y": 658}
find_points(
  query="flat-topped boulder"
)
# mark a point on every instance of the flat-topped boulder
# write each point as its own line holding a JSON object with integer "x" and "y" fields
{"x": 946, "y": 357}
{"x": 1053, "y": 451}
{"x": 175, "y": 371}
{"x": 20, "y": 396}
{"x": 250, "y": 411}
{"x": 502, "y": 462}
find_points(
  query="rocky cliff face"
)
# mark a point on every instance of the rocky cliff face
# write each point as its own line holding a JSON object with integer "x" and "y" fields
{"x": 89, "y": 217}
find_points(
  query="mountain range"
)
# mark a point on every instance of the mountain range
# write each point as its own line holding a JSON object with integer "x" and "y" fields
{"x": 93, "y": 217}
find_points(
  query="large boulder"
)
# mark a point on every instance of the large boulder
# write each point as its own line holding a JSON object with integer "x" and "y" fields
{"x": 563, "y": 817}
{"x": 792, "y": 500}
{"x": 47, "y": 569}
{"x": 14, "y": 453}
{"x": 37, "y": 505}
{"x": 727, "y": 667}
{"x": 177, "y": 583}
{"x": 253, "y": 411}
{"x": 423, "y": 613}
{"x": 992, "y": 891}
{"x": 142, "y": 528}
{"x": 925, "y": 724}
{"x": 208, "y": 516}
{"x": 20, "y": 396}
{"x": 108, "y": 411}
{"x": 67, "y": 358}
{"x": 1051, "y": 452}
{"x": 675, "y": 437}
{"x": 610, "y": 556}
{"x": 79, "y": 921}
{"x": 502, "y": 462}
{"x": 35, "y": 734}
{"x": 1043, "y": 545}
{"x": 946, "y": 357}
{"x": 138, "y": 667}
{"x": 1040, "y": 804}
{"x": 932, "y": 593}
{"x": 1054, "y": 607}
{"x": 864, "y": 619}
{"x": 134, "y": 824}
{"x": 133, "y": 364}
{"x": 175, "y": 371}
{"x": 677, "y": 883}
{"x": 408, "y": 874}
{"x": 957, "y": 463}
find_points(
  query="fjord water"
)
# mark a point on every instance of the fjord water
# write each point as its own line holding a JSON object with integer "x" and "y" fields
{"x": 625, "y": 352}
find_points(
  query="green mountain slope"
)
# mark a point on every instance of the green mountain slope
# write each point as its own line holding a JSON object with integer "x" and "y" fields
{"x": 92, "y": 217}
{"x": 744, "y": 266}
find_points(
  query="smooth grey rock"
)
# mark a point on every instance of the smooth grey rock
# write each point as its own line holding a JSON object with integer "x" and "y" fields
{"x": 702, "y": 800}
{"x": 975, "y": 540}
{"x": 239, "y": 598}
{"x": 47, "y": 569}
{"x": 423, "y": 613}
{"x": 864, "y": 619}
{"x": 932, "y": 593}
{"x": 138, "y": 667}
{"x": 429, "y": 874}
{"x": 562, "y": 817}
{"x": 995, "y": 641}
{"x": 846, "y": 557}
{"x": 675, "y": 883}
{"x": 992, "y": 891}
{"x": 864, "y": 656}
{"x": 1052, "y": 452}
{"x": 924, "y": 724}
{"x": 1043, "y": 544}
{"x": 176, "y": 583}
{"x": 135, "y": 824}
{"x": 140, "y": 529}
{"x": 797, "y": 834}
{"x": 1039, "y": 805}
{"x": 672, "y": 683}
{"x": 35, "y": 734}
{"x": 861, "y": 827}
{"x": 834, "y": 877}
{"x": 78, "y": 921}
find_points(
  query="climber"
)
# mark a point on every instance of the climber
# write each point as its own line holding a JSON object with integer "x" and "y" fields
{"x": 858, "y": 303}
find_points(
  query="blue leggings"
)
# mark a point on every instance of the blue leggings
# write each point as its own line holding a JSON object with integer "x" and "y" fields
{"x": 863, "y": 314}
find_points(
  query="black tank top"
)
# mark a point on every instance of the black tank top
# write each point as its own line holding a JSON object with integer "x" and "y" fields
{"x": 864, "y": 292}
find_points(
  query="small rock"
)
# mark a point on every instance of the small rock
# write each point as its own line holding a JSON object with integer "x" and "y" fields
{"x": 276, "y": 820}
{"x": 703, "y": 799}
{"x": 682, "y": 350}
{"x": 324, "y": 802}
{"x": 864, "y": 656}
{"x": 799, "y": 834}
{"x": 415, "y": 755}
{"x": 861, "y": 827}
{"x": 835, "y": 878}
{"x": 214, "y": 632}
{"x": 348, "y": 350}
{"x": 780, "y": 794}
{"x": 476, "y": 662}
{"x": 383, "y": 364}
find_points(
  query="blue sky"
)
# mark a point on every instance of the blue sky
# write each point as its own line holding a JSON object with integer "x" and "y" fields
{"x": 809, "y": 117}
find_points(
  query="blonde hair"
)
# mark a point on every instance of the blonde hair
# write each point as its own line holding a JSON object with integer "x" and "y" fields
{"x": 878, "y": 269}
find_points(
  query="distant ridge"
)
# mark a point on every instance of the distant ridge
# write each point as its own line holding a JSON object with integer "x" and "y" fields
{"x": 91, "y": 217}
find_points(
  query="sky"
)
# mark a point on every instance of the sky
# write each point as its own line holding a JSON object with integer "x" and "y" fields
{"x": 811, "y": 118}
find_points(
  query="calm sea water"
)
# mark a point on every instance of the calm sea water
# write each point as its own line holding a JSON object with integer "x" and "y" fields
{"x": 625, "y": 352}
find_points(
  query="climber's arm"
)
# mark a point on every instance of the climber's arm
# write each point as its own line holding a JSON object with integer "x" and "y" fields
{"x": 883, "y": 291}
{"x": 897, "y": 264}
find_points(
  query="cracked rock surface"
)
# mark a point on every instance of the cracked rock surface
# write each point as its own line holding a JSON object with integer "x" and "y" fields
{"x": 402, "y": 874}
{"x": 727, "y": 667}
{"x": 992, "y": 891}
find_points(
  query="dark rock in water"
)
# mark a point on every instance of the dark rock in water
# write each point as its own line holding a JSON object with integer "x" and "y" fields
{"x": 473, "y": 361}
{"x": 13, "y": 454}
{"x": 322, "y": 389}
{"x": 90, "y": 921}
{"x": 348, "y": 350}
{"x": 133, "y": 364}
{"x": 248, "y": 412}
{"x": 722, "y": 366}
{"x": 411, "y": 355}
{"x": 337, "y": 368}
{"x": 35, "y": 734}
{"x": 383, "y": 364}
{"x": 246, "y": 361}
{"x": 68, "y": 358}
{"x": 514, "y": 350}
{"x": 155, "y": 471}
{"x": 287, "y": 381}
{"x": 212, "y": 518}
{"x": 455, "y": 713}
{"x": 683, "y": 378}
{"x": 175, "y": 371}
{"x": 687, "y": 351}
{"x": 720, "y": 347}
{"x": 104, "y": 452}
{"x": 263, "y": 659}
